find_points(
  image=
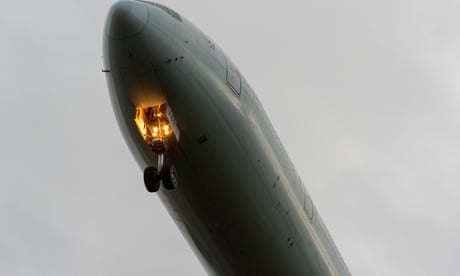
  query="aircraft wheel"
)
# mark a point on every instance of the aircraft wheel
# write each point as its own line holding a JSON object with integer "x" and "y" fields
{"x": 151, "y": 179}
{"x": 169, "y": 177}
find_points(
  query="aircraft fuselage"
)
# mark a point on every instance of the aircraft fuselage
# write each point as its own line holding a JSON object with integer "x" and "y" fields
{"x": 238, "y": 198}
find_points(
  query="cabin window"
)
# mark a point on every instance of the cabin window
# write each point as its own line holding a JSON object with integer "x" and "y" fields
{"x": 169, "y": 11}
{"x": 233, "y": 77}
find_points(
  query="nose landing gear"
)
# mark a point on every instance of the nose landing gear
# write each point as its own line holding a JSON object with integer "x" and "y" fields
{"x": 153, "y": 178}
{"x": 155, "y": 124}
{"x": 162, "y": 173}
{"x": 169, "y": 177}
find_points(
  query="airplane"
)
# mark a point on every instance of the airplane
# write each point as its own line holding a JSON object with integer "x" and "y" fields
{"x": 208, "y": 150}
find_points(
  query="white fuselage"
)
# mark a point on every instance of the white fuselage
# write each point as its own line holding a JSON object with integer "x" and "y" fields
{"x": 239, "y": 200}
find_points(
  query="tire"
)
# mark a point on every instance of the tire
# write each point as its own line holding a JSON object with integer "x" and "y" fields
{"x": 151, "y": 179}
{"x": 169, "y": 177}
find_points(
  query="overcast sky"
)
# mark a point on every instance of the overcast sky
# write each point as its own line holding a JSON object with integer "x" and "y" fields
{"x": 364, "y": 95}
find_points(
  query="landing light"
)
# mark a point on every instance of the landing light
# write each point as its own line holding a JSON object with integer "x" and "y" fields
{"x": 152, "y": 124}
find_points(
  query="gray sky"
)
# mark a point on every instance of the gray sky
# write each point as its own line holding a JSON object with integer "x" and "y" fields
{"x": 364, "y": 95}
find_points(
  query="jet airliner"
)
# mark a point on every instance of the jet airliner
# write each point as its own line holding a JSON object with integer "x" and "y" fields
{"x": 208, "y": 150}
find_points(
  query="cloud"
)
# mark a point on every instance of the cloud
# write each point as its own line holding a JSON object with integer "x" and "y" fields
{"x": 374, "y": 85}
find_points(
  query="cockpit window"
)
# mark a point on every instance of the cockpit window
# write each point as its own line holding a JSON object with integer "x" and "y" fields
{"x": 174, "y": 14}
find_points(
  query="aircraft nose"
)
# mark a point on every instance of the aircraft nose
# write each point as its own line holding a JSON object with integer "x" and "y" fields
{"x": 127, "y": 19}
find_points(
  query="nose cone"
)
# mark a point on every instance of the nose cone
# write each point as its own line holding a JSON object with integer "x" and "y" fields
{"x": 127, "y": 19}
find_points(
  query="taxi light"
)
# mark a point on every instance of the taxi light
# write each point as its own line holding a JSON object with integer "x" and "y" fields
{"x": 152, "y": 124}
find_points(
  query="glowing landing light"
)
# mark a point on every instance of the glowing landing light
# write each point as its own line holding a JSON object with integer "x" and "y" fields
{"x": 152, "y": 124}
